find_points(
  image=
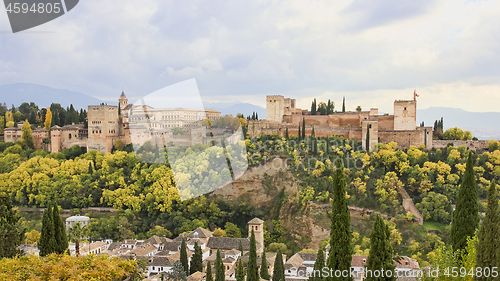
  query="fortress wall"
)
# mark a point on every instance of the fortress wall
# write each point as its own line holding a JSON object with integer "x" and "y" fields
{"x": 404, "y": 139}
{"x": 471, "y": 144}
{"x": 385, "y": 122}
{"x": 352, "y": 120}
{"x": 316, "y": 119}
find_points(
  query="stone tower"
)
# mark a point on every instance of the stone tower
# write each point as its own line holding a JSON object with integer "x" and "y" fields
{"x": 275, "y": 108}
{"x": 258, "y": 229}
{"x": 55, "y": 139}
{"x": 104, "y": 127}
{"x": 123, "y": 101}
{"x": 405, "y": 115}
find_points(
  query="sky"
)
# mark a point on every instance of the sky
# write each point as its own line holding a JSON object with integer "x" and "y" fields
{"x": 371, "y": 52}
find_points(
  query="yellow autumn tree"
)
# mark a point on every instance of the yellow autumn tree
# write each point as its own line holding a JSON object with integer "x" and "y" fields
{"x": 48, "y": 119}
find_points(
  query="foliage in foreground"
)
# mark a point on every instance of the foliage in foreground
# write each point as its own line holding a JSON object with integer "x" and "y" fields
{"x": 64, "y": 267}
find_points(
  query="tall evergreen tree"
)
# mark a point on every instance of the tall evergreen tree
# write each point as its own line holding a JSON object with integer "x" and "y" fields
{"x": 487, "y": 252}
{"x": 47, "y": 242}
{"x": 286, "y": 133}
{"x": 381, "y": 251}
{"x": 303, "y": 128}
{"x": 184, "y": 257}
{"x": 252, "y": 269}
{"x": 240, "y": 248}
{"x": 343, "y": 104}
{"x": 314, "y": 147}
{"x": 341, "y": 250}
{"x": 209, "y": 272}
{"x": 240, "y": 271}
{"x": 11, "y": 233}
{"x": 60, "y": 231}
{"x": 196, "y": 260}
{"x": 318, "y": 267}
{"x": 465, "y": 218}
{"x": 264, "y": 272}
{"x": 367, "y": 140}
{"x": 256, "y": 116}
{"x": 220, "y": 273}
{"x": 279, "y": 268}
{"x": 299, "y": 134}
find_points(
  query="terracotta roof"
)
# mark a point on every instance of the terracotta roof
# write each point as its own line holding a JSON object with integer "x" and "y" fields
{"x": 407, "y": 262}
{"x": 197, "y": 276}
{"x": 359, "y": 260}
{"x": 228, "y": 243}
{"x": 256, "y": 221}
{"x": 142, "y": 250}
{"x": 173, "y": 246}
{"x": 159, "y": 261}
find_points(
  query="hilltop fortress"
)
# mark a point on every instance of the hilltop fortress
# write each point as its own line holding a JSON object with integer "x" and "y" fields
{"x": 126, "y": 122}
{"x": 401, "y": 127}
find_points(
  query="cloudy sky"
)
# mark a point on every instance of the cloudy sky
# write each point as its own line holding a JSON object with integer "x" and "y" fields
{"x": 372, "y": 52}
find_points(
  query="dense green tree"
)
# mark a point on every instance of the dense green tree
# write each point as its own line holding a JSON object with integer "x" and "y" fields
{"x": 240, "y": 271}
{"x": 220, "y": 273}
{"x": 319, "y": 264}
{"x": 232, "y": 230}
{"x": 184, "y": 257}
{"x": 340, "y": 255}
{"x": 436, "y": 207}
{"x": 487, "y": 251}
{"x": 177, "y": 272}
{"x": 381, "y": 251}
{"x": 313, "y": 107}
{"x": 196, "y": 259}
{"x": 209, "y": 272}
{"x": 60, "y": 231}
{"x": 343, "y": 104}
{"x": 286, "y": 133}
{"x": 252, "y": 269}
{"x": 11, "y": 232}
{"x": 299, "y": 134}
{"x": 465, "y": 218}
{"x": 47, "y": 243}
{"x": 27, "y": 136}
{"x": 279, "y": 268}
{"x": 264, "y": 272}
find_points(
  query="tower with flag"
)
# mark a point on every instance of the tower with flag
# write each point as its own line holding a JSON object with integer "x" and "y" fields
{"x": 415, "y": 95}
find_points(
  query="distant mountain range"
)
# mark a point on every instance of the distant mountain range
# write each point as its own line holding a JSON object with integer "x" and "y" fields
{"x": 483, "y": 125}
{"x": 43, "y": 96}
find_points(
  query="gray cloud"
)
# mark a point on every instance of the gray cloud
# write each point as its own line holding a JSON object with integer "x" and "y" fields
{"x": 243, "y": 50}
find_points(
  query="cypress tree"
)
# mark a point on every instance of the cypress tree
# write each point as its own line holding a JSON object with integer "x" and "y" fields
{"x": 343, "y": 104}
{"x": 313, "y": 140}
{"x": 252, "y": 269}
{"x": 240, "y": 273}
{"x": 240, "y": 248}
{"x": 487, "y": 253}
{"x": 264, "y": 273}
{"x": 465, "y": 218}
{"x": 318, "y": 267}
{"x": 60, "y": 231}
{"x": 303, "y": 128}
{"x": 209, "y": 272}
{"x": 298, "y": 135}
{"x": 220, "y": 274}
{"x": 279, "y": 269}
{"x": 196, "y": 259}
{"x": 256, "y": 116}
{"x": 286, "y": 134}
{"x": 183, "y": 256}
{"x": 367, "y": 140}
{"x": 47, "y": 242}
{"x": 341, "y": 250}
{"x": 381, "y": 251}
{"x": 11, "y": 235}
